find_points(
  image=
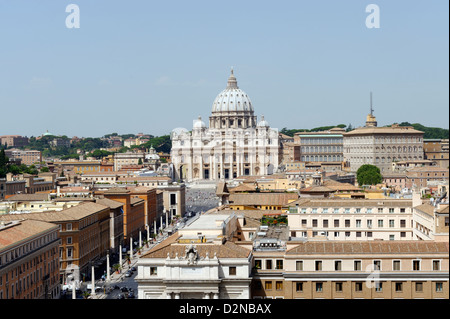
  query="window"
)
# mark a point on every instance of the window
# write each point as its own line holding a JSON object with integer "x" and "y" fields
{"x": 347, "y": 211}
{"x": 314, "y": 210}
{"x": 396, "y": 265}
{"x": 402, "y": 223}
{"x": 416, "y": 264}
{"x": 391, "y": 210}
{"x": 258, "y": 263}
{"x": 68, "y": 226}
{"x": 358, "y": 234}
{"x": 299, "y": 265}
{"x": 299, "y": 286}
{"x": 380, "y": 223}
{"x": 347, "y": 223}
{"x": 391, "y": 237}
{"x": 358, "y": 223}
{"x": 378, "y": 286}
{"x": 279, "y": 285}
{"x": 279, "y": 264}
{"x": 369, "y": 234}
{"x": 347, "y": 234}
{"x": 153, "y": 271}
{"x": 402, "y": 210}
{"x": 377, "y": 264}
{"x": 325, "y": 223}
{"x": 268, "y": 285}
{"x": 268, "y": 264}
{"x": 439, "y": 286}
{"x": 339, "y": 287}
{"x": 398, "y": 287}
{"x": 304, "y": 221}
{"x": 419, "y": 286}
{"x": 358, "y": 286}
{"x": 369, "y": 210}
{"x": 336, "y": 210}
{"x": 337, "y": 265}
{"x": 357, "y": 265}
{"x": 314, "y": 222}
{"x": 319, "y": 286}
{"x": 358, "y": 210}
{"x": 380, "y": 210}
{"x": 232, "y": 271}
{"x": 436, "y": 265}
{"x": 325, "y": 211}
{"x": 318, "y": 265}
{"x": 69, "y": 240}
{"x": 391, "y": 223}
{"x": 336, "y": 223}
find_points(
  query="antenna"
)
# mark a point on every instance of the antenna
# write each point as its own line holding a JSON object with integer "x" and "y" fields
{"x": 371, "y": 108}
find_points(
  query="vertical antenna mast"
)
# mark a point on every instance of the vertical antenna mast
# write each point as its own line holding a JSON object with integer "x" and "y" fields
{"x": 371, "y": 108}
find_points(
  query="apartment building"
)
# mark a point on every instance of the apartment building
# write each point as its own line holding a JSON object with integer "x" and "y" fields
{"x": 419, "y": 177}
{"x": 353, "y": 270}
{"x": 436, "y": 150}
{"x": 29, "y": 259}
{"x": 351, "y": 219}
{"x": 27, "y": 157}
{"x": 13, "y": 140}
{"x": 431, "y": 222}
{"x": 84, "y": 233}
{"x": 324, "y": 146}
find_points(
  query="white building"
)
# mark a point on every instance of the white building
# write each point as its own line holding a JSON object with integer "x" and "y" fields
{"x": 235, "y": 144}
{"x": 197, "y": 262}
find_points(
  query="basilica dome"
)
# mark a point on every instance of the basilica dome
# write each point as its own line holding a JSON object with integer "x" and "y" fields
{"x": 232, "y": 99}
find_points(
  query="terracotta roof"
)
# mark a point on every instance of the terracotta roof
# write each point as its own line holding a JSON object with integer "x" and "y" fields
{"x": 369, "y": 247}
{"x": 317, "y": 189}
{"x": 117, "y": 190}
{"x": 349, "y": 202}
{"x": 443, "y": 210}
{"x": 426, "y": 208}
{"x": 109, "y": 202}
{"x": 262, "y": 198}
{"x": 222, "y": 189}
{"x": 73, "y": 213}
{"x": 226, "y": 250}
{"x": 338, "y": 186}
{"x": 383, "y": 130}
{"x": 244, "y": 187}
{"x": 29, "y": 197}
{"x": 22, "y": 230}
{"x": 136, "y": 200}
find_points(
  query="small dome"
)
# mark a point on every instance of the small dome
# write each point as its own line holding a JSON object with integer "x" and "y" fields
{"x": 263, "y": 122}
{"x": 199, "y": 123}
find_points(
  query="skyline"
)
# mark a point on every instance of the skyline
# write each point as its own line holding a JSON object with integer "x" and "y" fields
{"x": 128, "y": 65}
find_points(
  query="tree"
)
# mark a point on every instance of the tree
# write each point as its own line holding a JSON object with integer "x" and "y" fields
{"x": 368, "y": 175}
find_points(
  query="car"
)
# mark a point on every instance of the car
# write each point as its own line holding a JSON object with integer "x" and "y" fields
{"x": 129, "y": 273}
{"x": 130, "y": 295}
{"x": 120, "y": 296}
{"x": 133, "y": 268}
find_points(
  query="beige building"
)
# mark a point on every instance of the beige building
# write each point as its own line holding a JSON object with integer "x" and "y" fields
{"x": 431, "y": 222}
{"x": 380, "y": 146}
{"x": 27, "y": 157}
{"x": 436, "y": 150}
{"x": 351, "y": 219}
{"x": 353, "y": 270}
{"x": 13, "y": 140}
{"x": 128, "y": 158}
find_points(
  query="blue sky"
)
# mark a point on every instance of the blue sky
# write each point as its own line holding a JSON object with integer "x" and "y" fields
{"x": 152, "y": 66}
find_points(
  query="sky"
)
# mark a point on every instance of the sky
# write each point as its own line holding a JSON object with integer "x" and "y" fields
{"x": 152, "y": 66}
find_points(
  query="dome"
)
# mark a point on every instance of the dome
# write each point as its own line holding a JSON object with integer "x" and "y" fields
{"x": 199, "y": 123}
{"x": 263, "y": 122}
{"x": 232, "y": 99}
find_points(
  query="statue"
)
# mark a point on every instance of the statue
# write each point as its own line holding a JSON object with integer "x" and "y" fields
{"x": 191, "y": 254}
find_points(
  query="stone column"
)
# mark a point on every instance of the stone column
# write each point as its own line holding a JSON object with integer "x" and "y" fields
{"x": 154, "y": 227}
{"x": 74, "y": 295}
{"x": 131, "y": 248}
{"x": 140, "y": 239}
{"x": 216, "y": 296}
{"x": 120, "y": 255}
{"x": 93, "y": 282}
{"x": 206, "y": 296}
{"x": 177, "y": 295}
{"x": 108, "y": 271}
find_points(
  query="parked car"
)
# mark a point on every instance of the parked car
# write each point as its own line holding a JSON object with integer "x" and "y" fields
{"x": 133, "y": 268}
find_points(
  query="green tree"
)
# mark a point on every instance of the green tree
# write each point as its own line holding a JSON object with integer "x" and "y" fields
{"x": 368, "y": 175}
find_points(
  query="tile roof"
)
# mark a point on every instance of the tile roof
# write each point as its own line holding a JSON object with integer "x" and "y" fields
{"x": 109, "y": 202}
{"x": 73, "y": 213}
{"x": 22, "y": 231}
{"x": 369, "y": 247}
{"x": 29, "y": 197}
{"x": 225, "y": 250}
{"x": 262, "y": 198}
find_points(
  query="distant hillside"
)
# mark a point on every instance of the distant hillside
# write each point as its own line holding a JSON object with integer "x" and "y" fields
{"x": 429, "y": 132}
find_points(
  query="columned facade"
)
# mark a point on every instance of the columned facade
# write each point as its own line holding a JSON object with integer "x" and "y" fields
{"x": 235, "y": 144}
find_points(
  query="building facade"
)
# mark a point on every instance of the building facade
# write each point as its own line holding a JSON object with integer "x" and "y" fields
{"x": 235, "y": 144}
{"x": 380, "y": 146}
{"x": 29, "y": 260}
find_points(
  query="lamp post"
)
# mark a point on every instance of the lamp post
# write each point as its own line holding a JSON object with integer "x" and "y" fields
{"x": 108, "y": 270}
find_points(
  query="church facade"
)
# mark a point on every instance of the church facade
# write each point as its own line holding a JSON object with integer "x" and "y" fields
{"x": 235, "y": 143}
